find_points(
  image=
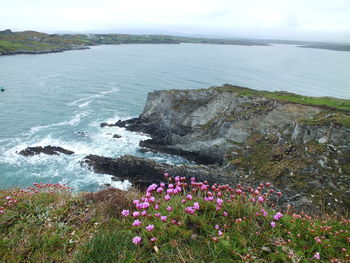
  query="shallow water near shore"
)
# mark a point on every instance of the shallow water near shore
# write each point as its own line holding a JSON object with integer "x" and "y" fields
{"x": 60, "y": 99}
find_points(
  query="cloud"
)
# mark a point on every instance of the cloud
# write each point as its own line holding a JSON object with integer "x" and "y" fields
{"x": 221, "y": 15}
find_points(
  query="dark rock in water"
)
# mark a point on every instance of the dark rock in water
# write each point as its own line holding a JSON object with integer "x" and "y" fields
{"x": 119, "y": 123}
{"x": 50, "y": 150}
{"x": 142, "y": 171}
{"x": 116, "y": 136}
{"x": 105, "y": 124}
{"x": 83, "y": 133}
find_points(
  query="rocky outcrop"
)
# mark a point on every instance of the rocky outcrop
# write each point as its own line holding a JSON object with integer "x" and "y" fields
{"x": 50, "y": 150}
{"x": 255, "y": 137}
{"x": 143, "y": 171}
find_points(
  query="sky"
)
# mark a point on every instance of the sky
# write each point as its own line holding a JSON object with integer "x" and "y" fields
{"x": 318, "y": 20}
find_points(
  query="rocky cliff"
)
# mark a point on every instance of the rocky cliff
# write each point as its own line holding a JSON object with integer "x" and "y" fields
{"x": 301, "y": 144}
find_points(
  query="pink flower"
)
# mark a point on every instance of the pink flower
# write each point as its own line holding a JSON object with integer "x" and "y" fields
{"x": 157, "y": 215}
{"x": 189, "y": 197}
{"x": 264, "y": 213}
{"x": 239, "y": 191}
{"x": 261, "y": 199}
{"x": 153, "y": 239}
{"x": 219, "y": 233}
{"x": 8, "y": 197}
{"x": 196, "y": 206}
{"x": 136, "y": 214}
{"x": 160, "y": 189}
{"x": 277, "y": 216}
{"x": 218, "y": 208}
{"x": 162, "y": 185}
{"x": 204, "y": 187}
{"x": 170, "y": 186}
{"x": 167, "y": 197}
{"x": 317, "y": 256}
{"x": 169, "y": 208}
{"x": 136, "y": 240}
{"x": 125, "y": 212}
{"x": 219, "y": 201}
{"x": 136, "y": 202}
{"x": 224, "y": 213}
{"x": 143, "y": 213}
{"x": 166, "y": 175}
{"x": 273, "y": 224}
{"x": 163, "y": 218}
{"x": 152, "y": 187}
{"x": 178, "y": 189}
{"x": 190, "y": 210}
{"x": 136, "y": 222}
{"x": 150, "y": 228}
{"x": 183, "y": 201}
{"x": 145, "y": 205}
{"x": 217, "y": 227}
{"x": 156, "y": 207}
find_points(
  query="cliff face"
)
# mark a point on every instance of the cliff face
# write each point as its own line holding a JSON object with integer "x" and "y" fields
{"x": 254, "y": 136}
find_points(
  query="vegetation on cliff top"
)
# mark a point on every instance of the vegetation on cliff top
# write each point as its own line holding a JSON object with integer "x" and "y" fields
{"x": 178, "y": 221}
{"x": 329, "y": 102}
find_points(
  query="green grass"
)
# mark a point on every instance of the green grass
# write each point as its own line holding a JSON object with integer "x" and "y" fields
{"x": 329, "y": 102}
{"x": 58, "y": 226}
{"x": 10, "y": 46}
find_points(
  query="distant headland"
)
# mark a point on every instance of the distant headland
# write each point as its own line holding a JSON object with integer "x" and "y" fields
{"x": 32, "y": 42}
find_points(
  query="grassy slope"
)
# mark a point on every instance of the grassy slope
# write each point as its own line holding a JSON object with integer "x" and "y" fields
{"x": 56, "y": 226}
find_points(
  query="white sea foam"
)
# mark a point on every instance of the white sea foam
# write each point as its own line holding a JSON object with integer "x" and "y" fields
{"x": 51, "y": 76}
{"x": 67, "y": 168}
{"x": 72, "y": 122}
{"x": 83, "y": 102}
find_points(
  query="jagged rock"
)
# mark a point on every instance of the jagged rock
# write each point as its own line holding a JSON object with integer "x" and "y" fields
{"x": 50, "y": 150}
{"x": 293, "y": 145}
{"x": 116, "y": 136}
{"x": 143, "y": 171}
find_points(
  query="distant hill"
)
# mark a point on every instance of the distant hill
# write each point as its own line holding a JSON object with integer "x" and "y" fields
{"x": 32, "y": 42}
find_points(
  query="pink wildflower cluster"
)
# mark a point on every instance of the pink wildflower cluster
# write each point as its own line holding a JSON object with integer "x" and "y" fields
{"x": 14, "y": 196}
{"x": 155, "y": 205}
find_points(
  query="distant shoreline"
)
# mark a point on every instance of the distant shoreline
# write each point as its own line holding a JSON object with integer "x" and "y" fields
{"x": 33, "y": 43}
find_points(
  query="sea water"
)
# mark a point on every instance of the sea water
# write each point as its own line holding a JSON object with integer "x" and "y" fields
{"x": 60, "y": 99}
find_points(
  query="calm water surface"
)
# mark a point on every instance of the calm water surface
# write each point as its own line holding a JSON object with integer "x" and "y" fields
{"x": 51, "y": 99}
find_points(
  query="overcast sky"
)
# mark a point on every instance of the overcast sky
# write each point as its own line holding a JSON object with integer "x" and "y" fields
{"x": 286, "y": 19}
